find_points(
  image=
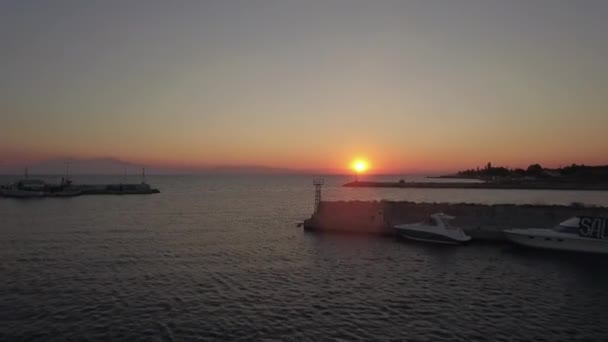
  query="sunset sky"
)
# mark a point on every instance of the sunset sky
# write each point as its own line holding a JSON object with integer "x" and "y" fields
{"x": 407, "y": 85}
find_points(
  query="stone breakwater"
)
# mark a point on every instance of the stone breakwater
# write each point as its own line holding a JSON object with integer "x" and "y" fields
{"x": 480, "y": 221}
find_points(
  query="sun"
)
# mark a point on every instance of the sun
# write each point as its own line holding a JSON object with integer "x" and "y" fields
{"x": 359, "y": 165}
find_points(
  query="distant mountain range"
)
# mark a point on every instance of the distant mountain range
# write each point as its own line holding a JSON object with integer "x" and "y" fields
{"x": 116, "y": 166}
{"x": 75, "y": 166}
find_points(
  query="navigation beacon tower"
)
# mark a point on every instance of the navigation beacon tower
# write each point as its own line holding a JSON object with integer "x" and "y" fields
{"x": 318, "y": 183}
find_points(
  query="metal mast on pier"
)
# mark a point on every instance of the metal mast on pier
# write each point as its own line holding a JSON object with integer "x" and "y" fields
{"x": 67, "y": 170}
{"x": 318, "y": 183}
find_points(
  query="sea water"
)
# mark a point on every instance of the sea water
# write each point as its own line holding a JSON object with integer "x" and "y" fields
{"x": 220, "y": 258}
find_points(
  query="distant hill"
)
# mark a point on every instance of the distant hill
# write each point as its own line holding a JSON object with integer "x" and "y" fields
{"x": 574, "y": 172}
{"x": 251, "y": 170}
{"x": 113, "y": 166}
{"x": 76, "y": 166}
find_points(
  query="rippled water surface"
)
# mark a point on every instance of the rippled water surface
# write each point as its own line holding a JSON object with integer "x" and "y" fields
{"x": 220, "y": 258}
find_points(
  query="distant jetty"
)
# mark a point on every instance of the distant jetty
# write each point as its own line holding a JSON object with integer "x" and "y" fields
{"x": 34, "y": 188}
{"x": 514, "y": 185}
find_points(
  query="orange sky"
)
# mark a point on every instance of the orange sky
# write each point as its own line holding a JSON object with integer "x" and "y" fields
{"x": 428, "y": 86}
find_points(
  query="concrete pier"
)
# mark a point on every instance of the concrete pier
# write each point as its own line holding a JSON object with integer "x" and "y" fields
{"x": 480, "y": 221}
{"x": 113, "y": 189}
{"x": 38, "y": 189}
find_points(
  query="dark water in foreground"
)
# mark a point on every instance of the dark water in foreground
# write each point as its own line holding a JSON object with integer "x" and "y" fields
{"x": 219, "y": 258}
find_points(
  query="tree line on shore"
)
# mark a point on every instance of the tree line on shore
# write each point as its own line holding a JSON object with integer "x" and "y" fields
{"x": 536, "y": 171}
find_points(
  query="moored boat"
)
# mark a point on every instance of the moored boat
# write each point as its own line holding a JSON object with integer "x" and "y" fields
{"x": 577, "y": 234}
{"x": 436, "y": 229}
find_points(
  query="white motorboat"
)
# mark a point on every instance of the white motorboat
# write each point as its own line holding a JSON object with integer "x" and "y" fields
{"x": 577, "y": 234}
{"x": 436, "y": 229}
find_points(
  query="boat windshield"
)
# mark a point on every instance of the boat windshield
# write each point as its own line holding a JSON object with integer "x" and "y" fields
{"x": 447, "y": 224}
{"x": 570, "y": 226}
{"x": 431, "y": 221}
{"x": 437, "y": 222}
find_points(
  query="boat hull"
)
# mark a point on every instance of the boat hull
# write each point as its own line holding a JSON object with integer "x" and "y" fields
{"x": 430, "y": 236}
{"x": 561, "y": 242}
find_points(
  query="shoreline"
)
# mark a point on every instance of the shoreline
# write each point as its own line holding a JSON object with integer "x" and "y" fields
{"x": 484, "y": 185}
